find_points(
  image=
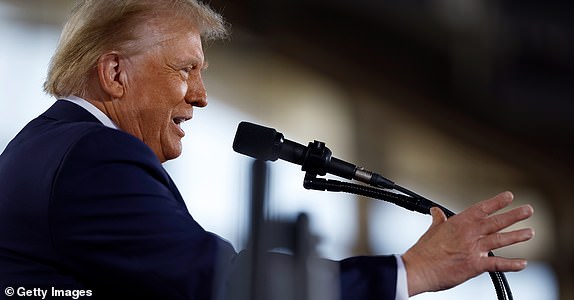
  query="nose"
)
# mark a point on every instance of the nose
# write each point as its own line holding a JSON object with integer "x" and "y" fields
{"x": 196, "y": 93}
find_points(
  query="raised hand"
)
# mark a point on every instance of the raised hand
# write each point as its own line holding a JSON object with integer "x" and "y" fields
{"x": 454, "y": 250}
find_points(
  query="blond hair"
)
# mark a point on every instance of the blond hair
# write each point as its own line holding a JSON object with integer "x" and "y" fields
{"x": 97, "y": 26}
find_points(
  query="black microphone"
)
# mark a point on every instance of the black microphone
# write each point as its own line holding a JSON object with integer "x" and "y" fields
{"x": 267, "y": 144}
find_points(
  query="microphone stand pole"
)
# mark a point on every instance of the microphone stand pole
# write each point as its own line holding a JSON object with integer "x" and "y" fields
{"x": 273, "y": 276}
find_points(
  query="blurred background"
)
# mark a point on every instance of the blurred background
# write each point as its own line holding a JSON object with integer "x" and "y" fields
{"x": 457, "y": 100}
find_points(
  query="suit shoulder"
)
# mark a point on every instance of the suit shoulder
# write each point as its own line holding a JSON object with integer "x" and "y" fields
{"x": 106, "y": 142}
{"x": 108, "y": 150}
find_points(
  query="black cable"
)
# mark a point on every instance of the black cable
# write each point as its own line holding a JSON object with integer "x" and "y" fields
{"x": 506, "y": 285}
{"x": 411, "y": 201}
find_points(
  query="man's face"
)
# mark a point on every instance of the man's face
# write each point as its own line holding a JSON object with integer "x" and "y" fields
{"x": 162, "y": 84}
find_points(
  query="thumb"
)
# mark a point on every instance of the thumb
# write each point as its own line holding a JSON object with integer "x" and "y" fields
{"x": 438, "y": 216}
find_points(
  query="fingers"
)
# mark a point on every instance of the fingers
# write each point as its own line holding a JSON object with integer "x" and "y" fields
{"x": 499, "y": 240}
{"x": 492, "y": 225}
{"x": 501, "y": 221}
{"x": 438, "y": 216}
{"x": 502, "y": 264}
{"x": 485, "y": 208}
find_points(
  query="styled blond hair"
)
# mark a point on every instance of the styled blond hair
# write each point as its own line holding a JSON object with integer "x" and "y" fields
{"x": 97, "y": 26}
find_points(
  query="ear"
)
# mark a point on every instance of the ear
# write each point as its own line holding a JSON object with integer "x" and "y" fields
{"x": 109, "y": 69}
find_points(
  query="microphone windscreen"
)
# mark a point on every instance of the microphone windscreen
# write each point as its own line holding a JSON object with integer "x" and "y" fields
{"x": 257, "y": 141}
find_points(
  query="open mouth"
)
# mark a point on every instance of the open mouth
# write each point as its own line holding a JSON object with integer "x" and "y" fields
{"x": 179, "y": 120}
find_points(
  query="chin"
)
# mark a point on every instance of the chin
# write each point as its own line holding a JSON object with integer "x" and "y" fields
{"x": 172, "y": 153}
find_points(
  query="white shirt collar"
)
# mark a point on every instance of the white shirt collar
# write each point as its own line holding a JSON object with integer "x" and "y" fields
{"x": 92, "y": 109}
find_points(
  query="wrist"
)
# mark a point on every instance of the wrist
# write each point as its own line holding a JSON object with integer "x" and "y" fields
{"x": 418, "y": 277}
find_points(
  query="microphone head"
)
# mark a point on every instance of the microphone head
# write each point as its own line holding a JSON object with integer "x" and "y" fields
{"x": 257, "y": 141}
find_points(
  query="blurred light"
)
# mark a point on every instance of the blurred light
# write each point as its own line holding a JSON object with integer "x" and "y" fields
{"x": 24, "y": 56}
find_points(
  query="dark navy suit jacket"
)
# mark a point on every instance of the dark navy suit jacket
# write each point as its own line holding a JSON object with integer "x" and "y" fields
{"x": 84, "y": 206}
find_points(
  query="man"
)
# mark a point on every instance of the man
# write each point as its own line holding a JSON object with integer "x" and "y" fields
{"x": 85, "y": 204}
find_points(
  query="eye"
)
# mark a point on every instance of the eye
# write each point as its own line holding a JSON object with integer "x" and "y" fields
{"x": 187, "y": 70}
